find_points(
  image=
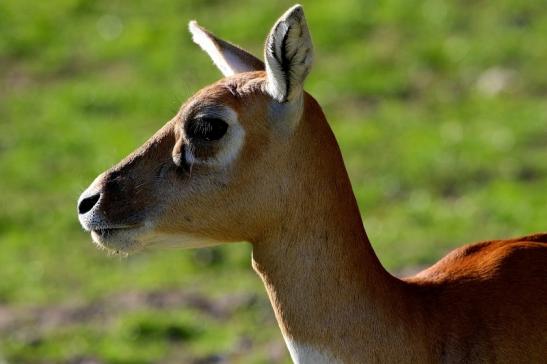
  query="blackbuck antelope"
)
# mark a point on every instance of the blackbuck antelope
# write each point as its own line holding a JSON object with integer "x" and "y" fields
{"x": 252, "y": 158}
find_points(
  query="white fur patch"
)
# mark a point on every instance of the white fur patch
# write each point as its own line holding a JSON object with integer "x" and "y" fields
{"x": 127, "y": 241}
{"x": 305, "y": 354}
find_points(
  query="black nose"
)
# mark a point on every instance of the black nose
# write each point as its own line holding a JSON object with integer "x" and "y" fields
{"x": 87, "y": 203}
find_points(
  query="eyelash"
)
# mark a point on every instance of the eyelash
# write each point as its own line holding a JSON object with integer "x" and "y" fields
{"x": 206, "y": 129}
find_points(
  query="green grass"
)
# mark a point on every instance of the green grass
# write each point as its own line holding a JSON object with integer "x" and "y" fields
{"x": 440, "y": 109}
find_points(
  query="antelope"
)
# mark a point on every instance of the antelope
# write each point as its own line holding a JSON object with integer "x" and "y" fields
{"x": 252, "y": 158}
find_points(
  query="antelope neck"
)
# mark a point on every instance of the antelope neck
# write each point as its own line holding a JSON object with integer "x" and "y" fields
{"x": 322, "y": 276}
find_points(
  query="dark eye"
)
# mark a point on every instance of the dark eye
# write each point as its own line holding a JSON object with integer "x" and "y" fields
{"x": 207, "y": 129}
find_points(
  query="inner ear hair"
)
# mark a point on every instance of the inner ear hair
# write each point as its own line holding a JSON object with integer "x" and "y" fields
{"x": 289, "y": 55}
{"x": 229, "y": 58}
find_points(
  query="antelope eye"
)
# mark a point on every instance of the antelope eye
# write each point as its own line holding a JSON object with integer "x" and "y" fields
{"x": 206, "y": 129}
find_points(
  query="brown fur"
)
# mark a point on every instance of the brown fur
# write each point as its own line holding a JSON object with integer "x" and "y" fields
{"x": 288, "y": 194}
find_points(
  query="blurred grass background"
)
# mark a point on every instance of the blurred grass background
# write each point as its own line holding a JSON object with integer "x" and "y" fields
{"x": 440, "y": 109}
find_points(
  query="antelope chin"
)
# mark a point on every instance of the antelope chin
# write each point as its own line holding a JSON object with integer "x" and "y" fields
{"x": 177, "y": 240}
{"x": 129, "y": 240}
{"x": 118, "y": 240}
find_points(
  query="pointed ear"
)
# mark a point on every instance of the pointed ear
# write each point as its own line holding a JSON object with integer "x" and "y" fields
{"x": 289, "y": 54}
{"x": 229, "y": 58}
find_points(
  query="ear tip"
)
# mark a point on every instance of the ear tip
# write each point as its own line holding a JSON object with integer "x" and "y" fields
{"x": 295, "y": 10}
{"x": 199, "y": 34}
{"x": 193, "y": 26}
{"x": 295, "y": 14}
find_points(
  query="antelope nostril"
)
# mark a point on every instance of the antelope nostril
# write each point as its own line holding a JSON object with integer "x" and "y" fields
{"x": 87, "y": 203}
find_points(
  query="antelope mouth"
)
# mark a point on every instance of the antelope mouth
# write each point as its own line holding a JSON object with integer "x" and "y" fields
{"x": 118, "y": 239}
{"x": 112, "y": 230}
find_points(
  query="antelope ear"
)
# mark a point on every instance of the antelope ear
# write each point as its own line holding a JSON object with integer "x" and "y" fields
{"x": 229, "y": 58}
{"x": 289, "y": 55}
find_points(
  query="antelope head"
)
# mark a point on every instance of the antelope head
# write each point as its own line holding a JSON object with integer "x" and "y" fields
{"x": 221, "y": 169}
